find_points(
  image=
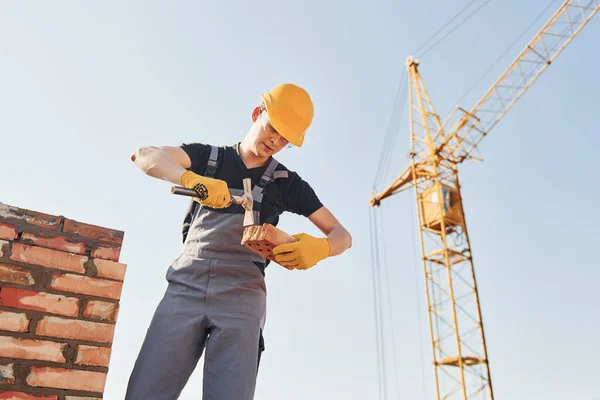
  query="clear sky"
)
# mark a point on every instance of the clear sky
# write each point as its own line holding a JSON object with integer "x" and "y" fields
{"x": 83, "y": 84}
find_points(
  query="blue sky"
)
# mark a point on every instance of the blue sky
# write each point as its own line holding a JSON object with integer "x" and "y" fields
{"x": 84, "y": 84}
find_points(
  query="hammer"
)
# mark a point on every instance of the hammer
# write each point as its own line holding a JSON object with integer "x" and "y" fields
{"x": 245, "y": 201}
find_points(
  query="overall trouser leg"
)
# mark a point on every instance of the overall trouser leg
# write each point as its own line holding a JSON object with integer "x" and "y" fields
{"x": 175, "y": 338}
{"x": 236, "y": 304}
{"x": 208, "y": 303}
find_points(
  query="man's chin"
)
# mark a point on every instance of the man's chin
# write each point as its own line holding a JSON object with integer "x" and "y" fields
{"x": 260, "y": 153}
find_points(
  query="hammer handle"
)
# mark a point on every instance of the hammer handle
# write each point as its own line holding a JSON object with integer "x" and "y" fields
{"x": 192, "y": 193}
{"x": 184, "y": 191}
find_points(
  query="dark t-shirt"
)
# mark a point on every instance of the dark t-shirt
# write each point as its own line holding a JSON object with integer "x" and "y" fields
{"x": 291, "y": 194}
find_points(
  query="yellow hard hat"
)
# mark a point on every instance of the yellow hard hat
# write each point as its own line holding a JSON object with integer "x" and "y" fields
{"x": 290, "y": 111}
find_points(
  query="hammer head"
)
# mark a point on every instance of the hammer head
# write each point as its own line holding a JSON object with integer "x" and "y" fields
{"x": 247, "y": 202}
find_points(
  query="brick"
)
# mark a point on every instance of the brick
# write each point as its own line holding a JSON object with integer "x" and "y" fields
{"x": 92, "y": 355}
{"x": 24, "y": 396}
{"x": 14, "y": 322}
{"x": 16, "y": 275}
{"x": 87, "y": 285}
{"x": 62, "y": 378}
{"x": 39, "y": 301}
{"x": 92, "y": 231}
{"x": 4, "y": 247}
{"x": 75, "y": 329}
{"x": 54, "y": 241}
{"x": 30, "y": 349}
{"x": 106, "y": 252}
{"x": 81, "y": 398}
{"x": 101, "y": 310}
{"x": 31, "y": 217}
{"x": 263, "y": 238}
{"x": 7, "y": 232}
{"x": 48, "y": 258}
{"x": 7, "y": 375}
{"x": 110, "y": 269}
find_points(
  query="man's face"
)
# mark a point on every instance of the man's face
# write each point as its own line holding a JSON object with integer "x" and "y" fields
{"x": 266, "y": 141}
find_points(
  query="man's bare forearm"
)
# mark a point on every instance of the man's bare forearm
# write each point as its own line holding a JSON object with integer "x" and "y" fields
{"x": 339, "y": 240}
{"x": 158, "y": 164}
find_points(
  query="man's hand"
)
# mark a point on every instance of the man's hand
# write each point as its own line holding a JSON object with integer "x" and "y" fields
{"x": 211, "y": 192}
{"x": 303, "y": 254}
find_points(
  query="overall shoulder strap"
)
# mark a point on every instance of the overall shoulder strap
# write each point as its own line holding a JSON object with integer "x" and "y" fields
{"x": 268, "y": 175}
{"x": 211, "y": 168}
{"x": 280, "y": 174}
{"x": 213, "y": 159}
{"x": 257, "y": 191}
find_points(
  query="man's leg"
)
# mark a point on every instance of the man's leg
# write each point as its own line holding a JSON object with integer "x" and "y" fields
{"x": 231, "y": 360}
{"x": 236, "y": 312}
{"x": 172, "y": 346}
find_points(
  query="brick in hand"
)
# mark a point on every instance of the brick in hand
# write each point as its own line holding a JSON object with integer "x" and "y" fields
{"x": 263, "y": 238}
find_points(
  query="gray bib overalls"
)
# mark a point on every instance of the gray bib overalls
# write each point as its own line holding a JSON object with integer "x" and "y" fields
{"x": 215, "y": 304}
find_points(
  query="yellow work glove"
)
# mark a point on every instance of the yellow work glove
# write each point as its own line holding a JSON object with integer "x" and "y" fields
{"x": 211, "y": 192}
{"x": 303, "y": 254}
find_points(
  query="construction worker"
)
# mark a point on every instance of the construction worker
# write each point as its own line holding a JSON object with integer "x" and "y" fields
{"x": 215, "y": 302}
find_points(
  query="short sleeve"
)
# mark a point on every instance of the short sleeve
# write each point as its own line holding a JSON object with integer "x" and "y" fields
{"x": 300, "y": 197}
{"x": 199, "y": 154}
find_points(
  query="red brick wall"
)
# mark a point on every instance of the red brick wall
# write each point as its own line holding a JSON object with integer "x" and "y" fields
{"x": 60, "y": 285}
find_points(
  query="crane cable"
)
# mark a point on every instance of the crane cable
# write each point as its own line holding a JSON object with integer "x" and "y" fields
{"x": 392, "y": 133}
{"x": 386, "y": 279}
{"x": 379, "y": 275}
{"x": 378, "y": 255}
{"x": 375, "y": 281}
{"x": 445, "y": 25}
{"x": 454, "y": 17}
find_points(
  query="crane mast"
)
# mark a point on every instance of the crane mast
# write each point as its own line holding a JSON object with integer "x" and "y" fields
{"x": 457, "y": 335}
{"x": 460, "y": 359}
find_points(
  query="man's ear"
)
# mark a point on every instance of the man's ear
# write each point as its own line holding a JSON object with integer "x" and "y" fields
{"x": 255, "y": 114}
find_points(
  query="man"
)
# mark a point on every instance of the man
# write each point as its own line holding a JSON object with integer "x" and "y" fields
{"x": 215, "y": 303}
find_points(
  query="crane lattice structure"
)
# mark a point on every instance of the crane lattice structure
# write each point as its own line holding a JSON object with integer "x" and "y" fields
{"x": 458, "y": 343}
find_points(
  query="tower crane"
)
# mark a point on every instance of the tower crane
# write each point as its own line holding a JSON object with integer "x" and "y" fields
{"x": 458, "y": 344}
